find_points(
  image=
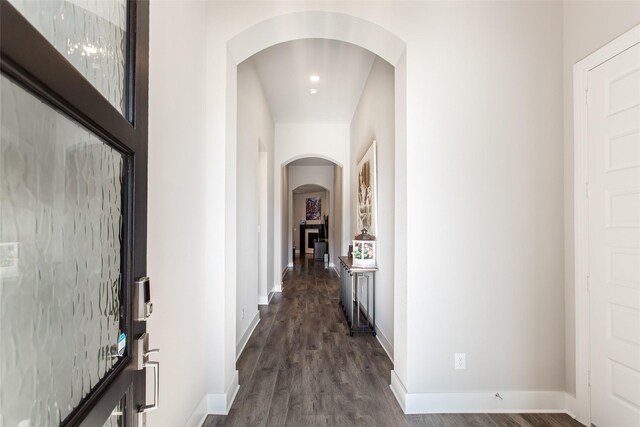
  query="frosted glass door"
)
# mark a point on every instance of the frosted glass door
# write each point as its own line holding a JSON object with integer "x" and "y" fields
{"x": 61, "y": 231}
{"x": 91, "y": 35}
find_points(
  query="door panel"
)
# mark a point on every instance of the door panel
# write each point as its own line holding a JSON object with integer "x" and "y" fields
{"x": 73, "y": 186}
{"x": 91, "y": 35}
{"x": 61, "y": 298}
{"x": 614, "y": 240}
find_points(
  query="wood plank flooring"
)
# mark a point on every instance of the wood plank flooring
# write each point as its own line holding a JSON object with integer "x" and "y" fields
{"x": 301, "y": 368}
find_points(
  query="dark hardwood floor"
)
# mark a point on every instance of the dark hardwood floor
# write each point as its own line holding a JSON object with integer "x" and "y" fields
{"x": 301, "y": 368}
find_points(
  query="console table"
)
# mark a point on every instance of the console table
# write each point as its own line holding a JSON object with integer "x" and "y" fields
{"x": 350, "y": 302}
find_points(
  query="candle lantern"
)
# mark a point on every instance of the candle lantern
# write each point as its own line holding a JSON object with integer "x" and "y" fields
{"x": 364, "y": 250}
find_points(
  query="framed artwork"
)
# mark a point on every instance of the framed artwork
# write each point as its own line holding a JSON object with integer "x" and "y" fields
{"x": 314, "y": 208}
{"x": 367, "y": 202}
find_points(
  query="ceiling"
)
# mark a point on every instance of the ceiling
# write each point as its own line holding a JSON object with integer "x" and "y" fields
{"x": 284, "y": 72}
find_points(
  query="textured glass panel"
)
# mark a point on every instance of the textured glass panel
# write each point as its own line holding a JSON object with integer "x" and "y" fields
{"x": 116, "y": 419}
{"x": 91, "y": 34}
{"x": 60, "y": 234}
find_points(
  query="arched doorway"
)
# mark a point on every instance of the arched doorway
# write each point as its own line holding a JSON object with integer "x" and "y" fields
{"x": 323, "y": 25}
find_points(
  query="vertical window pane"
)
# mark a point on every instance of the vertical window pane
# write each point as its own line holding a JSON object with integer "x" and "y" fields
{"x": 91, "y": 34}
{"x": 60, "y": 260}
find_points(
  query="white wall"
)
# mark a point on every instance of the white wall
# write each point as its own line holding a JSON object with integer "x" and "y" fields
{"x": 374, "y": 119}
{"x": 255, "y": 129}
{"x": 485, "y": 204}
{"x": 484, "y": 186}
{"x": 177, "y": 258}
{"x": 336, "y": 222}
{"x": 282, "y": 217}
{"x": 587, "y": 27}
{"x": 266, "y": 255}
{"x": 297, "y": 140}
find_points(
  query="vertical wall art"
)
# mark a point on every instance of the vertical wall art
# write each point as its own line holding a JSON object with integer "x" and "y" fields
{"x": 314, "y": 208}
{"x": 367, "y": 201}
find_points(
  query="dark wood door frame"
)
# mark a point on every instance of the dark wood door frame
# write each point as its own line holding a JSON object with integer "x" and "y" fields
{"x": 27, "y": 58}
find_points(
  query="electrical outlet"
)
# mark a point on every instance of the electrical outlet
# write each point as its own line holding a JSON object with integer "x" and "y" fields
{"x": 242, "y": 314}
{"x": 460, "y": 360}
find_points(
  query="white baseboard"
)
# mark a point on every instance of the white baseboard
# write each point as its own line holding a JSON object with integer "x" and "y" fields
{"x": 199, "y": 414}
{"x": 480, "y": 402}
{"x": 384, "y": 342}
{"x": 332, "y": 265}
{"x": 290, "y": 265}
{"x": 266, "y": 300}
{"x": 273, "y": 291}
{"x": 247, "y": 334}
{"x": 220, "y": 403}
{"x": 399, "y": 390}
{"x": 336, "y": 270}
{"x": 571, "y": 404}
{"x": 214, "y": 404}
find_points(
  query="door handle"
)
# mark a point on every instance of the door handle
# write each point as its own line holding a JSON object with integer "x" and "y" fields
{"x": 141, "y": 353}
{"x": 156, "y": 385}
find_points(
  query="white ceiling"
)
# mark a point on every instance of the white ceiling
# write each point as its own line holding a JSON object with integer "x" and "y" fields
{"x": 284, "y": 71}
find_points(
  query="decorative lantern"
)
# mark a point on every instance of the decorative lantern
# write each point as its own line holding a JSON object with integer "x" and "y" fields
{"x": 364, "y": 250}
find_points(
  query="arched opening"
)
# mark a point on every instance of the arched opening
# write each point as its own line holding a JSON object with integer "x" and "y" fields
{"x": 309, "y": 221}
{"x": 301, "y": 26}
{"x": 313, "y": 210}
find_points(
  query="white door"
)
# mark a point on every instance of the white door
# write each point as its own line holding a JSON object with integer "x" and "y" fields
{"x": 614, "y": 239}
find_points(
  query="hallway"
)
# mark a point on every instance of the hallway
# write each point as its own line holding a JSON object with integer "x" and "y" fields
{"x": 301, "y": 368}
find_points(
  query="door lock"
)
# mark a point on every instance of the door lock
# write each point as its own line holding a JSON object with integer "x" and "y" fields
{"x": 142, "y": 299}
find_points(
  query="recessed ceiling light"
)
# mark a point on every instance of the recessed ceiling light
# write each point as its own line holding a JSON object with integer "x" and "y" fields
{"x": 313, "y": 91}
{"x": 314, "y": 78}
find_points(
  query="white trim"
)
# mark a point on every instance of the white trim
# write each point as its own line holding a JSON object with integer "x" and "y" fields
{"x": 310, "y": 154}
{"x": 570, "y": 405}
{"x": 220, "y": 403}
{"x": 199, "y": 414}
{"x": 290, "y": 265}
{"x": 481, "y": 402}
{"x": 266, "y": 300}
{"x": 385, "y": 343}
{"x": 316, "y": 24}
{"x": 331, "y": 265}
{"x": 277, "y": 287}
{"x": 247, "y": 334}
{"x": 335, "y": 269}
{"x": 581, "y": 226}
{"x": 486, "y": 402}
{"x": 399, "y": 390}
